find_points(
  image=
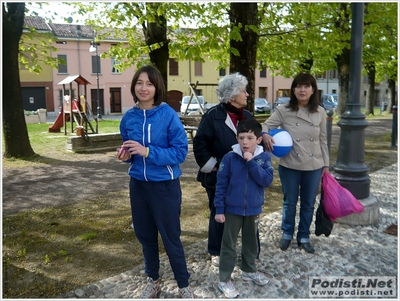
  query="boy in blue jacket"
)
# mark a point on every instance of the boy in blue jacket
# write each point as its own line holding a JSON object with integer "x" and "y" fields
{"x": 242, "y": 176}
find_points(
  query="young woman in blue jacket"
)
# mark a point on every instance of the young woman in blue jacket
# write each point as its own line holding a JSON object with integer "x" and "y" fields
{"x": 154, "y": 144}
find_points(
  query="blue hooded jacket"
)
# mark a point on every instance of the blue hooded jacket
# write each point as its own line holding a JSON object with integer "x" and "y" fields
{"x": 161, "y": 130}
{"x": 240, "y": 183}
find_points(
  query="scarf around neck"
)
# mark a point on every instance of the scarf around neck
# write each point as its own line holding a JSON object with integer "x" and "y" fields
{"x": 234, "y": 113}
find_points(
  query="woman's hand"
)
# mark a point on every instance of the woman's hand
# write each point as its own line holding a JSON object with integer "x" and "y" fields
{"x": 220, "y": 218}
{"x": 324, "y": 170}
{"x": 268, "y": 142}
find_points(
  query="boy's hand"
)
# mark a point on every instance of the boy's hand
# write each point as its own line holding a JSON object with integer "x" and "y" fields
{"x": 247, "y": 156}
{"x": 220, "y": 218}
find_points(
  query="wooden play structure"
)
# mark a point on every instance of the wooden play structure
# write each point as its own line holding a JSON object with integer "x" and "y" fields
{"x": 193, "y": 97}
{"x": 77, "y": 110}
{"x": 191, "y": 122}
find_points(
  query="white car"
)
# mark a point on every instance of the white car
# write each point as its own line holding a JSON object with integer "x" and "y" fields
{"x": 194, "y": 106}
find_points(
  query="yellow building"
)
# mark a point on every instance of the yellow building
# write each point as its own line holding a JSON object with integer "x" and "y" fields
{"x": 36, "y": 88}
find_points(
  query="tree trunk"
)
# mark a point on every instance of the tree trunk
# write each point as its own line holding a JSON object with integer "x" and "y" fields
{"x": 370, "y": 103}
{"x": 156, "y": 33}
{"x": 16, "y": 138}
{"x": 343, "y": 64}
{"x": 241, "y": 15}
{"x": 343, "y": 60}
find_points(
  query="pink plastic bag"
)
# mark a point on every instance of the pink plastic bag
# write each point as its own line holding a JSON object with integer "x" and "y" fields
{"x": 338, "y": 201}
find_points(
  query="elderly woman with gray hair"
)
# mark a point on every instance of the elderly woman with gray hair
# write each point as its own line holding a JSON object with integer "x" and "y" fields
{"x": 214, "y": 138}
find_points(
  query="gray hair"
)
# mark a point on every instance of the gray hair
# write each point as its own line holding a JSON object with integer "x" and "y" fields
{"x": 229, "y": 86}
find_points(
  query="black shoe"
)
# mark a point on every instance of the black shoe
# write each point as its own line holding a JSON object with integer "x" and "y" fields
{"x": 284, "y": 244}
{"x": 306, "y": 247}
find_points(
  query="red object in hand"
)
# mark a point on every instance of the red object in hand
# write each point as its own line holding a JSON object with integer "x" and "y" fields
{"x": 121, "y": 150}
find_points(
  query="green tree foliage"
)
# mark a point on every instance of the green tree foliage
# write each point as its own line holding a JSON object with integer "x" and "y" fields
{"x": 35, "y": 50}
{"x": 316, "y": 37}
{"x": 380, "y": 47}
{"x": 205, "y": 36}
{"x": 291, "y": 37}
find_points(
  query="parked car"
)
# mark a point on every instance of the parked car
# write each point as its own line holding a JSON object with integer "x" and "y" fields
{"x": 194, "y": 106}
{"x": 262, "y": 106}
{"x": 329, "y": 101}
{"x": 281, "y": 101}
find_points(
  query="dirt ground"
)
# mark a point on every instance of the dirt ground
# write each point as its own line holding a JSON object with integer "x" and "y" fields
{"x": 88, "y": 193}
{"x": 70, "y": 177}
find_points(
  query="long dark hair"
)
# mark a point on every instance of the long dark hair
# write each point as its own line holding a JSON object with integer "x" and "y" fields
{"x": 156, "y": 79}
{"x": 304, "y": 79}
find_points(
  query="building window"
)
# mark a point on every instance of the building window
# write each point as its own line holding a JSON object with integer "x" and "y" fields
{"x": 198, "y": 68}
{"x": 334, "y": 74}
{"x": 173, "y": 67}
{"x": 62, "y": 63}
{"x": 263, "y": 72}
{"x": 333, "y": 91}
{"x": 113, "y": 63}
{"x": 222, "y": 72}
{"x": 96, "y": 67}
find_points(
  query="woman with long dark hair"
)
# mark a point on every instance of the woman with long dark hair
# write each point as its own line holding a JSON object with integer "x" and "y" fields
{"x": 301, "y": 170}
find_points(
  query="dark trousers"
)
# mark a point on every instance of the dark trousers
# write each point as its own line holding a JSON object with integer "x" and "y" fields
{"x": 215, "y": 229}
{"x": 233, "y": 225}
{"x": 156, "y": 208}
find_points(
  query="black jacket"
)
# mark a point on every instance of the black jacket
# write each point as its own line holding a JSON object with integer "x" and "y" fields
{"x": 214, "y": 138}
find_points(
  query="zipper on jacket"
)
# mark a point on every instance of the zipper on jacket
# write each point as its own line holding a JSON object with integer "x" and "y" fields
{"x": 245, "y": 191}
{"x": 143, "y": 143}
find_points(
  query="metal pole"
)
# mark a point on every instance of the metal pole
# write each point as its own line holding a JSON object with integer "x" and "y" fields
{"x": 394, "y": 127}
{"x": 98, "y": 85}
{"x": 351, "y": 170}
{"x": 329, "y": 113}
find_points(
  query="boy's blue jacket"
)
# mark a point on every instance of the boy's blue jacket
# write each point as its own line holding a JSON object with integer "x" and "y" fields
{"x": 161, "y": 130}
{"x": 240, "y": 183}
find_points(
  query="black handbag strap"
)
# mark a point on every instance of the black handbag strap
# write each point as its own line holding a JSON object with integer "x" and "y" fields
{"x": 321, "y": 199}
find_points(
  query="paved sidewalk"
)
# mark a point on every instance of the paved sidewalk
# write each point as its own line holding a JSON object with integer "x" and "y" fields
{"x": 353, "y": 251}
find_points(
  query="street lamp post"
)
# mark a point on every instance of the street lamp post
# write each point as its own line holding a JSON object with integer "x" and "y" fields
{"x": 93, "y": 48}
{"x": 350, "y": 168}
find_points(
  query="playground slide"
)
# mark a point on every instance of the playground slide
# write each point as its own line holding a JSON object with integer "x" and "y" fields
{"x": 58, "y": 123}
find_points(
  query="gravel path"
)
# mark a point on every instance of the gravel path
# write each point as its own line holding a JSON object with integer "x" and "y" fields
{"x": 350, "y": 251}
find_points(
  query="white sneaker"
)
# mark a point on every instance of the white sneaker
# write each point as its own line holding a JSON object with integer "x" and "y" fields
{"x": 151, "y": 289}
{"x": 256, "y": 277}
{"x": 215, "y": 260}
{"x": 228, "y": 289}
{"x": 187, "y": 293}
